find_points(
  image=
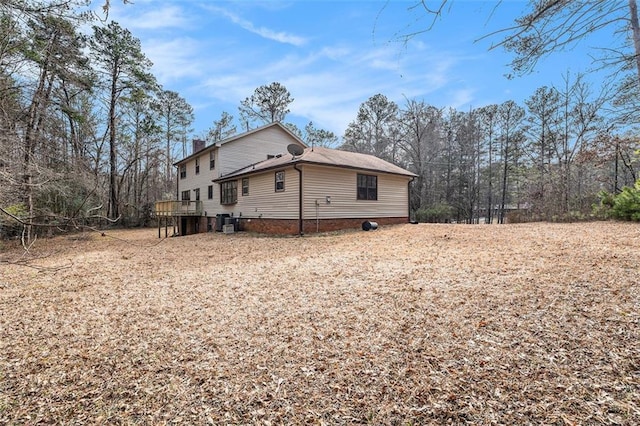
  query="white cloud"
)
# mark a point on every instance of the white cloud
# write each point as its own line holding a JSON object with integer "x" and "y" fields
{"x": 215, "y": 68}
{"x": 461, "y": 97}
{"x": 229, "y": 87}
{"x": 335, "y": 53}
{"x": 149, "y": 17}
{"x": 329, "y": 99}
{"x": 174, "y": 59}
{"x": 267, "y": 33}
{"x": 166, "y": 17}
{"x": 329, "y": 84}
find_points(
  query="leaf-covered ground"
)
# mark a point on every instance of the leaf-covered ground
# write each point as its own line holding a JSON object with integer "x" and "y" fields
{"x": 410, "y": 324}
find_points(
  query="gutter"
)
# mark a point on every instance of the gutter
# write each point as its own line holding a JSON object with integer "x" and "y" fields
{"x": 409, "y": 198}
{"x": 300, "y": 223}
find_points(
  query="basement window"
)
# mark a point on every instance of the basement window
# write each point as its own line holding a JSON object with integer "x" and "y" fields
{"x": 367, "y": 187}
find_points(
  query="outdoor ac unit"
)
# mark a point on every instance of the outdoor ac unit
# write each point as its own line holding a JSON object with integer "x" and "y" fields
{"x": 227, "y": 229}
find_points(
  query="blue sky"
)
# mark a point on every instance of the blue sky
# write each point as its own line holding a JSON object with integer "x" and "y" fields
{"x": 332, "y": 55}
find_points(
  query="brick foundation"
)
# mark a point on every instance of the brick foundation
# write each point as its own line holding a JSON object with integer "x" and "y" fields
{"x": 290, "y": 226}
{"x": 201, "y": 224}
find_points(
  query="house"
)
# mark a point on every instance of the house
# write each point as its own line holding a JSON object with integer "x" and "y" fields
{"x": 267, "y": 180}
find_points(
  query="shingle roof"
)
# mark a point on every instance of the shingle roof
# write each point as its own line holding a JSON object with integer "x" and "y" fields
{"x": 325, "y": 157}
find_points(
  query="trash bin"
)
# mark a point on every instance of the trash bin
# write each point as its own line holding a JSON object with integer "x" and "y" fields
{"x": 367, "y": 225}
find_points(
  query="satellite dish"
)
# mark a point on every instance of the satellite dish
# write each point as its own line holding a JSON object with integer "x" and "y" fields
{"x": 295, "y": 149}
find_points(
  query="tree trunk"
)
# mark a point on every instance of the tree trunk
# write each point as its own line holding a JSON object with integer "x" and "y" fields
{"x": 635, "y": 27}
{"x": 73, "y": 134}
{"x": 543, "y": 153}
{"x": 113, "y": 193}
{"x": 169, "y": 169}
{"x": 505, "y": 170}
{"x": 40, "y": 98}
{"x": 478, "y": 179}
{"x": 615, "y": 170}
{"x": 489, "y": 218}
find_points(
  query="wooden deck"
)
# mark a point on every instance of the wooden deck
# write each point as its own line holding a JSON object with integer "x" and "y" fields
{"x": 173, "y": 208}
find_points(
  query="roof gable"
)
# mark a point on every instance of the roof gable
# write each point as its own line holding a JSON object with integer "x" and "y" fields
{"x": 240, "y": 136}
{"x": 260, "y": 129}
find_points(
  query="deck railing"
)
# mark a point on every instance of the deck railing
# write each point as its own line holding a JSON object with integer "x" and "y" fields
{"x": 178, "y": 208}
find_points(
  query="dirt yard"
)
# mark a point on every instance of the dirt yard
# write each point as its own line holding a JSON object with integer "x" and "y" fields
{"x": 408, "y": 324}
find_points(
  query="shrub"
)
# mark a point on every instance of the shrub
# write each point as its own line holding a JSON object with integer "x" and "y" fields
{"x": 438, "y": 213}
{"x": 626, "y": 204}
{"x": 518, "y": 216}
{"x": 604, "y": 208}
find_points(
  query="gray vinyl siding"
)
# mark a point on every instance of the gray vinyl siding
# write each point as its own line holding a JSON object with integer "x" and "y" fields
{"x": 202, "y": 181}
{"x": 341, "y": 186}
{"x": 263, "y": 201}
{"x": 252, "y": 148}
{"x": 232, "y": 156}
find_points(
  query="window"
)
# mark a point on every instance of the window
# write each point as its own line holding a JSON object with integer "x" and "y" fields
{"x": 229, "y": 192}
{"x": 212, "y": 160}
{"x": 367, "y": 187}
{"x": 186, "y": 196}
{"x": 245, "y": 186}
{"x": 197, "y": 194}
{"x": 183, "y": 171}
{"x": 280, "y": 181}
{"x": 197, "y": 165}
{"x": 210, "y": 192}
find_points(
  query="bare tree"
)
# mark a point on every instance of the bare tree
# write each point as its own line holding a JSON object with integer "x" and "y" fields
{"x": 141, "y": 173}
{"x": 421, "y": 141}
{"x": 580, "y": 118}
{"x": 543, "y": 109}
{"x": 556, "y": 25}
{"x": 488, "y": 121}
{"x": 510, "y": 116}
{"x": 222, "y": 128}
{"x": 174, "y": 115}
{"x": 318, "y": 137}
